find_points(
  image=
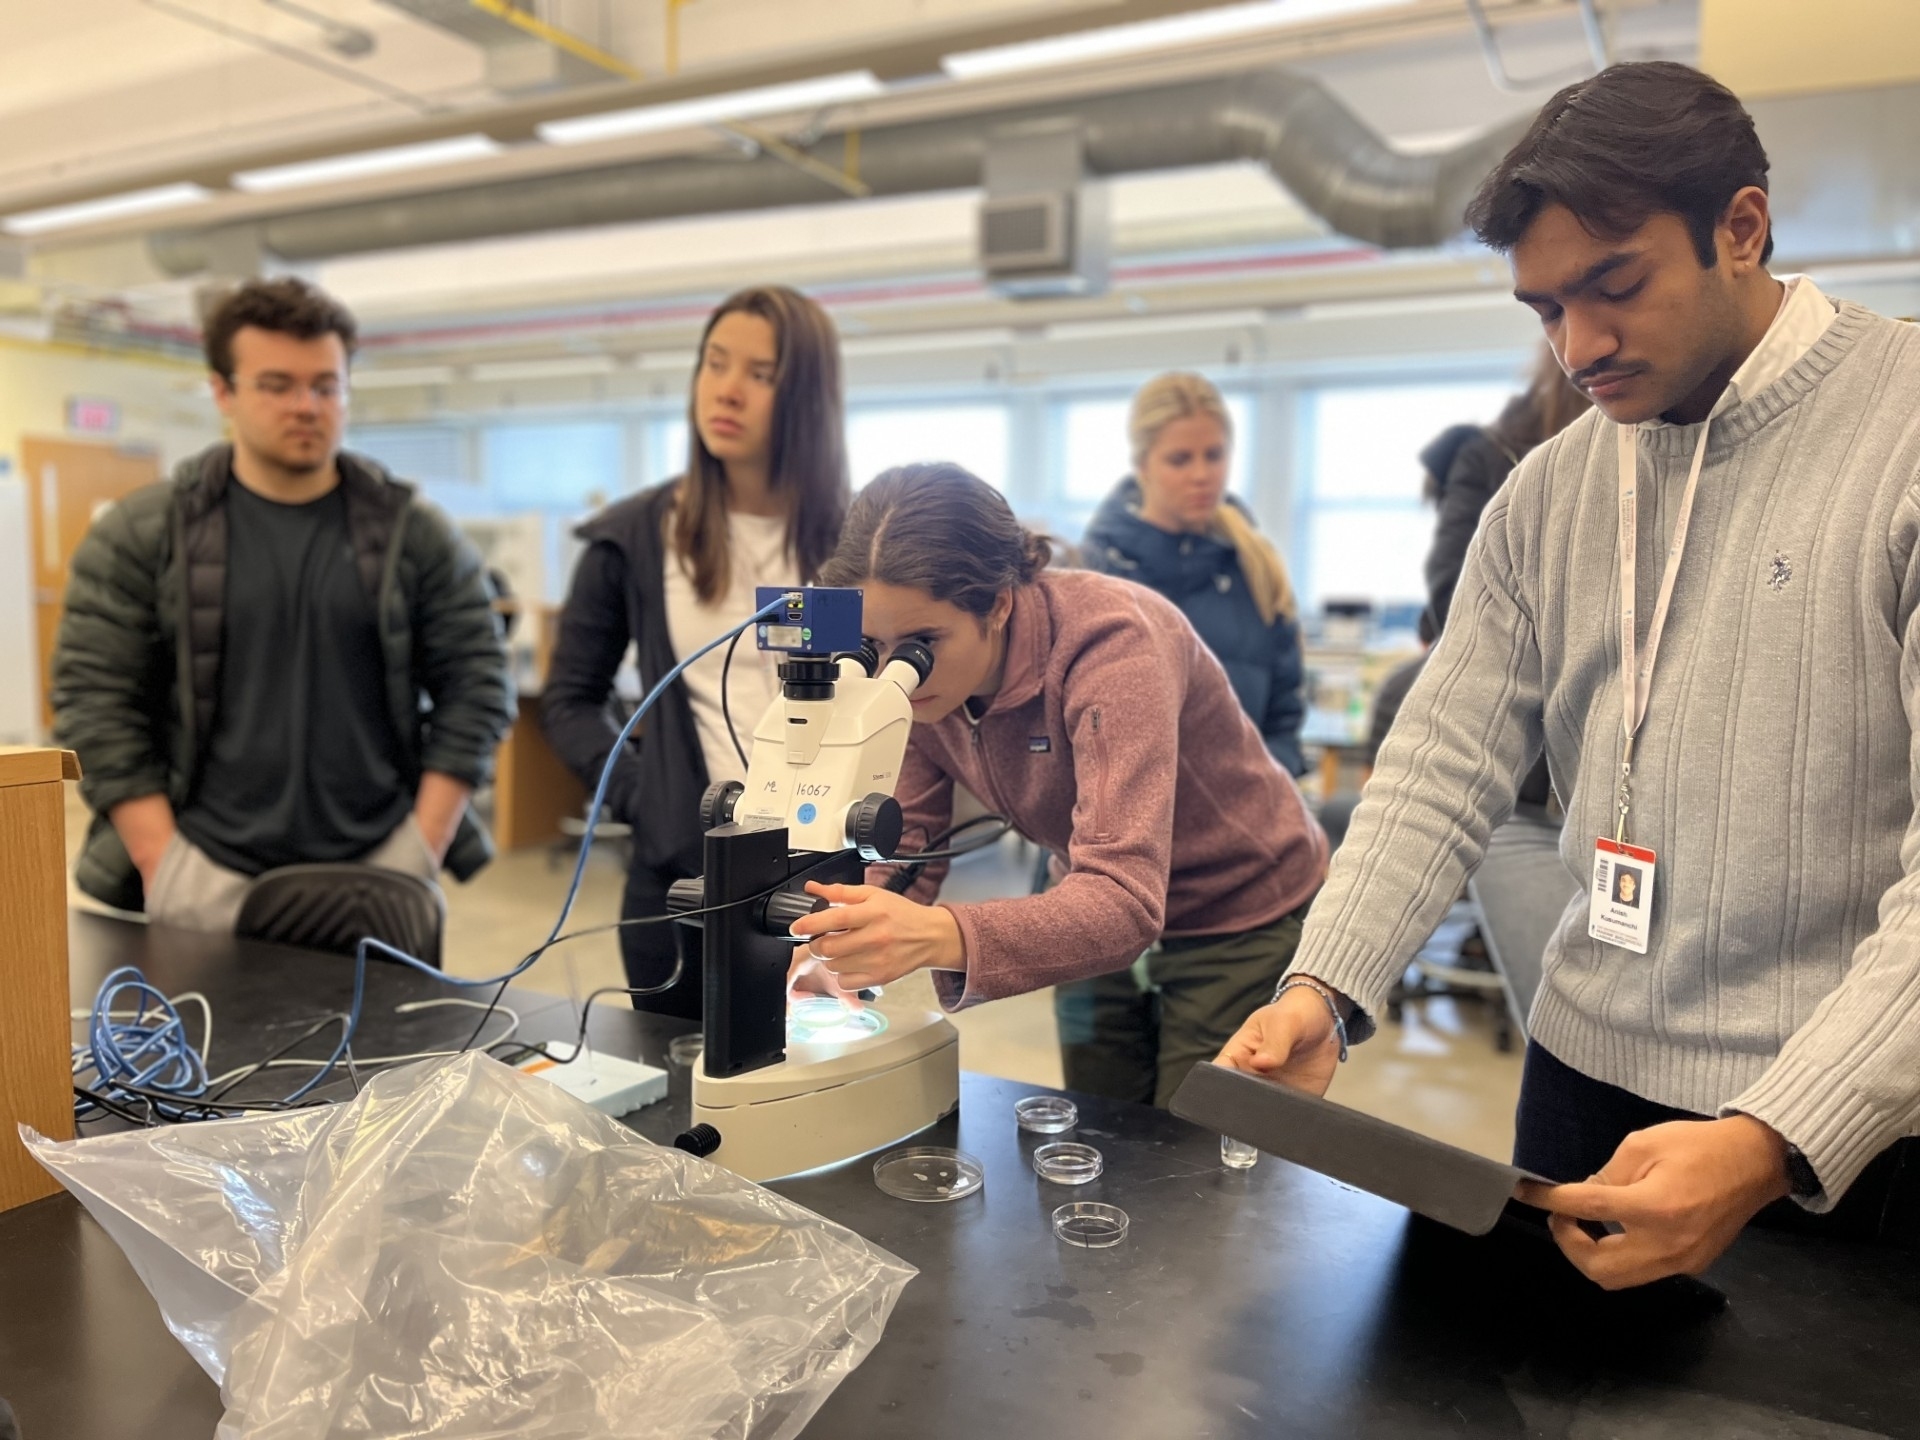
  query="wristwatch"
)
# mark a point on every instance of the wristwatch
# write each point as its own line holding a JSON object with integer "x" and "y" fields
{"x": 1805, "y": 1185}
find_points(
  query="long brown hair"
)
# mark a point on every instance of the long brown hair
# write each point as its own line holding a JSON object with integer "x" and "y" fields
{"x": 809, "y": 447}
{"x": 939, "y": 529}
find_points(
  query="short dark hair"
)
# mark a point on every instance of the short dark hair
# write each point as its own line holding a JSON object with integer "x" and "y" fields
{"x": 1637, "y": 140}
{"x": 939, "y": 528}
{"x": 287, "y": 306}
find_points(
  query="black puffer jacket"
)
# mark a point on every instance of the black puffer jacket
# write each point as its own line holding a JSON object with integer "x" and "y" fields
{"x": 619, "y": 596}
{"x": 136, "y": 668}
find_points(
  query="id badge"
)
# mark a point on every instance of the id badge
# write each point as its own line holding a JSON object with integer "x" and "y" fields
{"x": 1620, "y": 902}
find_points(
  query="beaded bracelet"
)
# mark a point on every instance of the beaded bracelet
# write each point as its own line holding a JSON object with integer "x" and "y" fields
{"x": 1300, "y": 982}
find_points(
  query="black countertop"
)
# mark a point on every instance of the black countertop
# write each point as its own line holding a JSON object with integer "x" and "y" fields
{"x": 1271, "y": 1302}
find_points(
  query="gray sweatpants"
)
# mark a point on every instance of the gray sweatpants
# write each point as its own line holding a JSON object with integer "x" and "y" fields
{"x": 193, "y": 892}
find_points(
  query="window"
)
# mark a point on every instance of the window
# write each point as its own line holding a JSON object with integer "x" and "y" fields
{"x": 564, "y": 467}
{"x": 880, "y": 437}
{"x": 1366, "y": 530}
{"x": 425, "y": 453}
{"x": 666, "y": 447}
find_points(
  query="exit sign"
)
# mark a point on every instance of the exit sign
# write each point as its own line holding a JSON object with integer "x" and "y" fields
{"x": 88, "y": 416}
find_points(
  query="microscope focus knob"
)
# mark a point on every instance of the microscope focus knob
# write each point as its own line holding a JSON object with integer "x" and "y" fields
{"x": 686, "y": 895}
{"x": 786, "y": 906}
{"x": 875, "y": 826}
{"x": 716, "y": 806}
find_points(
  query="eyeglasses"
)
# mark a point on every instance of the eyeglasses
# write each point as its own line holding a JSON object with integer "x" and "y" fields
{"x": 327, "y": 390}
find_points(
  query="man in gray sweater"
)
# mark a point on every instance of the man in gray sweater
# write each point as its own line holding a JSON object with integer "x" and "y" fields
{"x": 1700, "y": 601}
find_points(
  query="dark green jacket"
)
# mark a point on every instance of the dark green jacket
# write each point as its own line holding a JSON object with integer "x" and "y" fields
{"x": 136, "y": 668}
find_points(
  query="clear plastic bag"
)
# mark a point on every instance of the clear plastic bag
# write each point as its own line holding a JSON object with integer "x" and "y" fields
{"x": 464, "y": 1250}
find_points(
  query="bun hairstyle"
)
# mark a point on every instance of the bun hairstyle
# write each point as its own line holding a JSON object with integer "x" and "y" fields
{"x": 937, "y": 528}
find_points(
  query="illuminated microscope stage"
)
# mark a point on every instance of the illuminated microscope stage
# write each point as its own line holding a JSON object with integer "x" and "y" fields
{"x": 853, "y": 1081}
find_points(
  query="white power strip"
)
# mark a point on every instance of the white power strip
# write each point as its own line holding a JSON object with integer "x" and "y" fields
{"x": 606, "y": 1082}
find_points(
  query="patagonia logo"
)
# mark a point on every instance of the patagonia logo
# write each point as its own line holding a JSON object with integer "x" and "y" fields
{"x": 1038, "y": 745}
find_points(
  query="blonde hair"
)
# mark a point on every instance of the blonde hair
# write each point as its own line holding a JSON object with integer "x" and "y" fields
{"x": 1181, "y": 395}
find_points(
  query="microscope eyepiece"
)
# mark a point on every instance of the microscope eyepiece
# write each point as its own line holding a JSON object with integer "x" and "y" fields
{"x": 913, "y": 653}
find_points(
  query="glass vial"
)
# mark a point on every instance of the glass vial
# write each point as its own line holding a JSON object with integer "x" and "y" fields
{"x": 1236, "y": 1154}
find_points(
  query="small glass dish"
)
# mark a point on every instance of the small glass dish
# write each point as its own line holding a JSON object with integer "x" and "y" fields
{"x": 928, "y": 1174}
{"x": 1090, "y": 1225}
{"x": 1046, "y": 1114}
{"x": 1066, "y": 1163}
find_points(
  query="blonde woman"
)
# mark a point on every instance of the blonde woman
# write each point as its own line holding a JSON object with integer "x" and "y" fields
{"x": 1172, "y": 526}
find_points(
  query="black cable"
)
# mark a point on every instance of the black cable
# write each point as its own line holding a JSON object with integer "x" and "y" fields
{"x": 726, "y": 706}
{"x": 111, "y": 1106}
{"x": 336, "y": 1018}
{"x": 679, "y": 961}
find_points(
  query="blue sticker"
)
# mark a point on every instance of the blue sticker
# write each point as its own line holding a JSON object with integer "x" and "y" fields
{"x": 807, "y": 814}
{"x": 1038, "y": 744}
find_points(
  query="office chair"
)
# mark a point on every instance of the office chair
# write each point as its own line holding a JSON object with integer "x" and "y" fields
{"x": 334, "y": 907}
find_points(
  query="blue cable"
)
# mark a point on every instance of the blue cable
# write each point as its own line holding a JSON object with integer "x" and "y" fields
{"x": 151, "y": 1050}
{"x": 156, "y": 1056}
{"x": 377, "y": 947}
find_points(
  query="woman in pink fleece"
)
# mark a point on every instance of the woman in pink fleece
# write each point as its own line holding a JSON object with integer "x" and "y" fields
{"x": 1085, "y": 710}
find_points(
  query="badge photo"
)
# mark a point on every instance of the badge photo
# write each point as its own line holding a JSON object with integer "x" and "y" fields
{"x": 1620, "y": 900}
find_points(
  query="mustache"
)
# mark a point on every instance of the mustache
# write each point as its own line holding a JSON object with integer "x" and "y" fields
{"x": 1604, "y": 370}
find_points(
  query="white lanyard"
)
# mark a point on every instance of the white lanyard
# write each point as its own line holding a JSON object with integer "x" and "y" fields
{"x": 1636, "y": 681}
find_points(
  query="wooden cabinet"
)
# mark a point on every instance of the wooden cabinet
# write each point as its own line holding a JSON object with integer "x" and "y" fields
{"x": 36, "y": 1078}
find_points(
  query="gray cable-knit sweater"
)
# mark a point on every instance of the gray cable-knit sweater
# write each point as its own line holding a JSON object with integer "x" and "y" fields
{"x": 1775, "y": 774}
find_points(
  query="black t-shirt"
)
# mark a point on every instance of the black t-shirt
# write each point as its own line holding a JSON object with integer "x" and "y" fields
{"x": 303, "y": 763}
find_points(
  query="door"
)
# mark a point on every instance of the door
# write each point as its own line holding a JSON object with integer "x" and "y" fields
{"x": 68, "y": 482}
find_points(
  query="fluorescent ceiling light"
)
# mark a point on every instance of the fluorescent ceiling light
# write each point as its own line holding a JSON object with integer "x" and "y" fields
{"x": 930, "y": 342}
{"x": 400, "y": 376}
{"x": 714, "y": 109}
{"x": 366, "y": 162}
{"x": 1213, "y": 24}
{"x": 107, "y": 207}
{"x": 1108, "y": 328}
{"x": 555, "y": 369}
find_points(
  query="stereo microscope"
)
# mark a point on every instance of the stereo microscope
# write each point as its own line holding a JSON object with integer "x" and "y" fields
{"x": 784, "y": 1087}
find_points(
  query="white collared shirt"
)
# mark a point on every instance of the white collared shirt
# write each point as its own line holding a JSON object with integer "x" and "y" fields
{"x": 1803, "y": 317}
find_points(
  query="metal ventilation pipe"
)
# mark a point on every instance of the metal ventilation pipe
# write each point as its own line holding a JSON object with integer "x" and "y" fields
{"x": 1325, "y": 156}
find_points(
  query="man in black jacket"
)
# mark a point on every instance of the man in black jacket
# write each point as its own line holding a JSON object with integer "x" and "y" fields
{"x": 281, "y": 655}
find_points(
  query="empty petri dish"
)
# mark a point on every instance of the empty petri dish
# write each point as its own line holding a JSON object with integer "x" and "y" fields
{"x": 928, "y": 1174}
{"x": 1046, "y": 1114}
{"x": 1066, "y": 1163}
{"x": 1090, "y": 1225}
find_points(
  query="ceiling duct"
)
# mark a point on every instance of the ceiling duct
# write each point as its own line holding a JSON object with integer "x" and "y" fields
{"x": 1325, "y": 156}
{"x": 1043, "y": 220}
{"x": 524, "y": 55}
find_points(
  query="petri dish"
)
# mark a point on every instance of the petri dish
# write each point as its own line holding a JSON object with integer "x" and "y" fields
{"x": 1066, "y": 1163}
{"x": 1046, "y": 1114}
{"x": 826, "y": 1019}
{"x": 1090, "y": 1225}
{"x": 928, "y": 1174}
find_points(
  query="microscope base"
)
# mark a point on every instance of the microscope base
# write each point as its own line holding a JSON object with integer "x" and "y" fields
{"x": 830, "y": 1102}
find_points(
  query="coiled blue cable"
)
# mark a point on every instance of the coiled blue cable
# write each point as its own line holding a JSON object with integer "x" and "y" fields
{"x": 149, "y": 1050}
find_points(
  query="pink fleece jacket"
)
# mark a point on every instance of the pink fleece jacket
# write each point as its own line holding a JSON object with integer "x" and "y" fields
{"x": 1115, "y": 741}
